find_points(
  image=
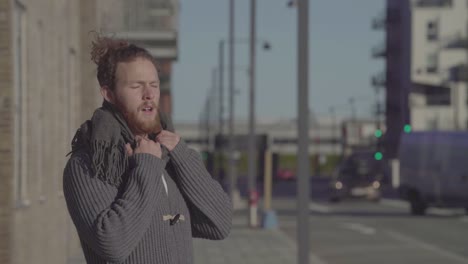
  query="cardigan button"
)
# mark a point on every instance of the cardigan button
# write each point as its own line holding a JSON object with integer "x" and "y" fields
{"x": 175, "y": 219}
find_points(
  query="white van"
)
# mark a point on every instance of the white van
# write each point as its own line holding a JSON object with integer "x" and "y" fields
{"x": 434, "y": 170}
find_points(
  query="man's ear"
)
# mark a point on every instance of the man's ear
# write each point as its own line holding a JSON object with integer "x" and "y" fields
{"x": 107, "y": 94}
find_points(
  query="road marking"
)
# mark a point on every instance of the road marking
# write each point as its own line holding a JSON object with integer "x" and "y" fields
{"x": 434, "y": 211}
{"x": 315, "y": 259}
{"x": 426, "y": 246}
{"x": 319, "y": 208}
{"x": 395, "y": 203}
{"x": 365, "y": 230}
{"x": 443, "y": 212}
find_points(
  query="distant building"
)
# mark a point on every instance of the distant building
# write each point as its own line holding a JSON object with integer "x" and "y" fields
{"x": 426, "y": 55}
{"x": 395, "y": 79}
{"x": 152, "y": 24}
{"x": 326, "y": 135}
{"x": 48, "y": 88}
{"x": 439, "y": 51}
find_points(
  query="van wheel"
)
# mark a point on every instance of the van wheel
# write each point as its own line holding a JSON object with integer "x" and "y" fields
{"x": 418, "y": 206}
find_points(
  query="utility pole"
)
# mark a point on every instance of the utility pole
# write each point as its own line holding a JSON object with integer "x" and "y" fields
{"x": 333, "y": 126}
{"x": 252, "y": 169}
{"x": 221, "y": 88}
{"x": 221, "y": 168}
{"x": 232, "y": 161}
{"x": 353, "y": 109}
{"x": 303, "y": 132}
{"x": 212, "y": 99}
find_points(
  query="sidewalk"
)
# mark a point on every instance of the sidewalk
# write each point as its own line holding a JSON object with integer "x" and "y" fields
{"x": 247, "y": 246}
{"x": 244, "y": 245}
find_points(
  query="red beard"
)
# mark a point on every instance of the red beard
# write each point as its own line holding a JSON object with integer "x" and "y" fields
{"x": 138, "y": 126}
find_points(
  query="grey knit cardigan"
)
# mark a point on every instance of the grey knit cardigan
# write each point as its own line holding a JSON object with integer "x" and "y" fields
{"x": 138, "y": 222}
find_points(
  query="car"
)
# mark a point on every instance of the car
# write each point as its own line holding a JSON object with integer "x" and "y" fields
{"x": 286, "y": 175}
{"x": 358, "y": 176}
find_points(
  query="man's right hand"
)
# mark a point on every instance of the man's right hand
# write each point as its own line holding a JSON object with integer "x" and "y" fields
{"x": 144, "y": 145}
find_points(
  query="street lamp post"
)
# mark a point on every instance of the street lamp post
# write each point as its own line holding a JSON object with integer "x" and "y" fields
{"x": 252, "y": 170}
{"x": 303, "y": 129}
{"x": 221, "y": 89}
{"x": 221, "y": 168}
{"x": 232, "y": 161}
{"x": 334, "y": 126}
{"x": 353, "y": 108}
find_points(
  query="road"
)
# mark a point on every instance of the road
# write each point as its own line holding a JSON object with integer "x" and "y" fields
{"x": 361, "y": 232}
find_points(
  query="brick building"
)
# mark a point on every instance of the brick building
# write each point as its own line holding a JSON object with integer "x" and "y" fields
{"x": 47, "y": 88}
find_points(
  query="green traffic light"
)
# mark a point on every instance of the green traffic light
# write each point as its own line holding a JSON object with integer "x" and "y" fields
{"x": 378, "y": 133}
{"x": 378, "y": 155}
{"x": 407, "y": 128}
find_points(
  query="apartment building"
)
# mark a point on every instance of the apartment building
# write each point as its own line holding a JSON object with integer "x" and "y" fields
{"x": 425, "y": 52}
{"x": 438, "y": 98}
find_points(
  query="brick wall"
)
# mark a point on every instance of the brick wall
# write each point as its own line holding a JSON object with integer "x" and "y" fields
{"x": 61, "y": 92}
{"x": 41, "y": 230}
{"x": 6, "y": 166}
{"x": 90, "y": 93}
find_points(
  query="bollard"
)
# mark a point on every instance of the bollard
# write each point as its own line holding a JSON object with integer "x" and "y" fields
{"x": 269, "y": 219}
{"x": 253, "y": 205}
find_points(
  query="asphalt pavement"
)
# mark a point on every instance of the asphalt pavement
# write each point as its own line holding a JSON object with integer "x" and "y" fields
{"x": 364, "y": 232}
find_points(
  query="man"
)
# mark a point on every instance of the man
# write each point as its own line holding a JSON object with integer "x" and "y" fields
{"x": 135, "y": 192}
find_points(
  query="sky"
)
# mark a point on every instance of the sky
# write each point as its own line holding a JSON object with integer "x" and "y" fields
{"x": 341, "y": 65}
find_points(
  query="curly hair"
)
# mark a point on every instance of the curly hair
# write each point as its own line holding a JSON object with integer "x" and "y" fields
{"x": 107, "y": 52}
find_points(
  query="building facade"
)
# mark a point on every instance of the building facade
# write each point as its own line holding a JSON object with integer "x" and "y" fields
{"x": 40, "y": 82}
{"x": 425, "y": 81}
{"x": 48, "y": 87}
{"x": 438, "y": 97}
{"x": 152, "y": 24}
{"x": 395, "y": 79}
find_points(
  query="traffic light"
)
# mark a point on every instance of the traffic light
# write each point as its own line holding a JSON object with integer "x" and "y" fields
{"x": 378, "y": 144}
{"x": 378, "y": 155}
{"x": 407, "y": 128}
{"x": 378, "y": 133}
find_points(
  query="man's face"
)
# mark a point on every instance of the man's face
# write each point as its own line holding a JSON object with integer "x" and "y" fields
{"x": 136, "y": 95}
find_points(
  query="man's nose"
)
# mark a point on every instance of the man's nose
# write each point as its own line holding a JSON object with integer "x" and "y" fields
{"x": 148, "y": 93}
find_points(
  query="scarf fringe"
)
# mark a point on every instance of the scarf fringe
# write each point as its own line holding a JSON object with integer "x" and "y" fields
{"x": 109, "y": 160}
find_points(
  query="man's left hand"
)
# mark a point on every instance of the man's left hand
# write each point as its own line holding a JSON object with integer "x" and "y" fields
{"x": 168, "y": 139}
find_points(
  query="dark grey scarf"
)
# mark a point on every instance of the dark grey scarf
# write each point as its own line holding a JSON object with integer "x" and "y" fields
{"x": 104, "y": 138}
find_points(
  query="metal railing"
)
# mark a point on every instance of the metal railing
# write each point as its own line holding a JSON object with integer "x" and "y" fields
{"x": 379, "y": 80}
{"x": 379, "y": 51}
{"x": 455, "y": 42}
{"x": 434, "y": 3}
{"x": 379, "y": 22}
{"x": 150, "y": 15}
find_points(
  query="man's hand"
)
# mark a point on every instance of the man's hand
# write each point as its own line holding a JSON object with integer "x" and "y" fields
{"x": 168, "y": 139}
{"x": 145, "y": 145}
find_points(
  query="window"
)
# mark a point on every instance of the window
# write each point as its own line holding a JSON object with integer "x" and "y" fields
{"x": 437, "y": 96}
{"x": 20, "y": 106}
{"x": 432, "y": 63}
{"x": 432, "y": 31}
{"x": 432, "y": 124}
